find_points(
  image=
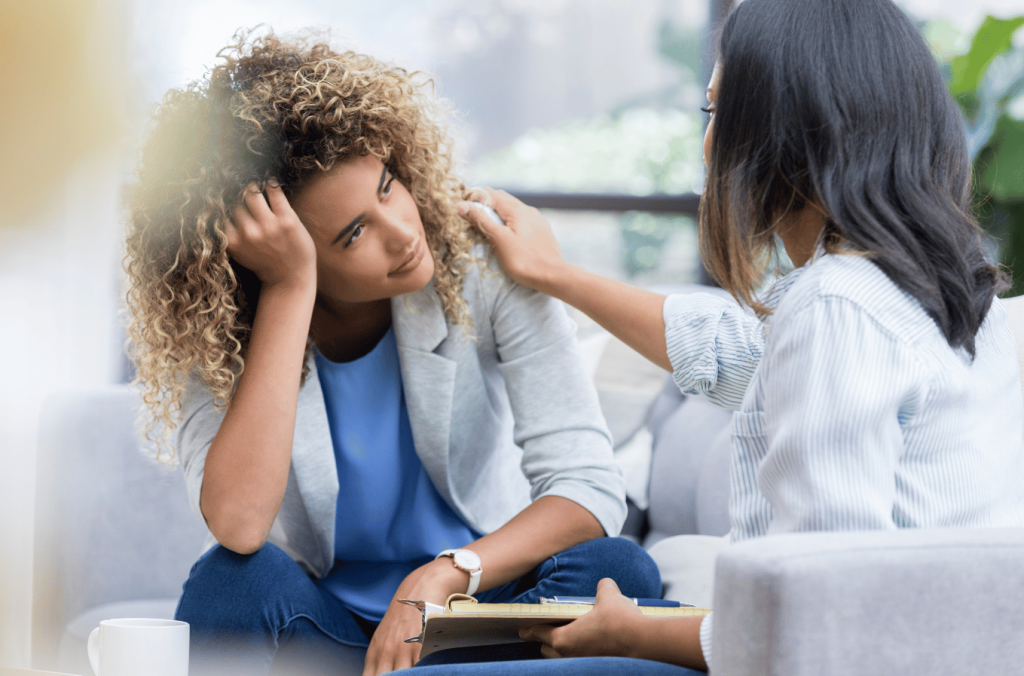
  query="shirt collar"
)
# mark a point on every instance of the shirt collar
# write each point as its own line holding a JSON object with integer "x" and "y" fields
{"x": 775, "y": 293}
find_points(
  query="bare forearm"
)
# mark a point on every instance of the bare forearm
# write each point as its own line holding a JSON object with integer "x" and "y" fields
{"x": 528, "y": 251}
{"x": 632, "y": 315}
{"x": 616, "y": 627}
{"x": 246, "y": 469}
{"x": 548, "y": 526}
{"x": 673, "y": 640}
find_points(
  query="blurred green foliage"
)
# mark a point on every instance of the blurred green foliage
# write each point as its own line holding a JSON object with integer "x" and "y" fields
{"x": 636, "y": 151}
{"x": 994, "y": 37}
{"x": 988, "y": 83}
{"x": 682, "y": 46}
{"x": 648, "y": 145}
{"x": 644, "y": 235}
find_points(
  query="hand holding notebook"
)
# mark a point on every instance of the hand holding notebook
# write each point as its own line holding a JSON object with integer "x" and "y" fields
{"x": 463, "y": 622}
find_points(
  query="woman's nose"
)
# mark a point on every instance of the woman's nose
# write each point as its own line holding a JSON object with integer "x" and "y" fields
{"x": 399, "y": 233}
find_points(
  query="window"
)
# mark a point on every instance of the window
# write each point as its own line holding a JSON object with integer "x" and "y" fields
{"x": 590, "y": 106}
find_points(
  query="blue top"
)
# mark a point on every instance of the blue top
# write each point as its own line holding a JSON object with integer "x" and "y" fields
{"x": 390, "y": 517}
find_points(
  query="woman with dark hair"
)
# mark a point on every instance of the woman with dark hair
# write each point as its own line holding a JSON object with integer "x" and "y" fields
{"x": 877, "y": 387}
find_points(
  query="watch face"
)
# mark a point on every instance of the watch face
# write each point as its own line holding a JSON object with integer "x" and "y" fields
{"x": 467, "y": 560}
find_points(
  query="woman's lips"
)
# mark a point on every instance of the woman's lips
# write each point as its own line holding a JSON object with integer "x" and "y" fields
{"x": 412, "y": 262}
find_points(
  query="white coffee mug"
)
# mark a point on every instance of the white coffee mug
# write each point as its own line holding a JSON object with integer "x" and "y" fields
{"x": 139, "y": 647}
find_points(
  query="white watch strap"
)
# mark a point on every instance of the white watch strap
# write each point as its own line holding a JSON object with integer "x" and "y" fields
{"x": 474, "y": 576}
{"x": 474, "y": 582}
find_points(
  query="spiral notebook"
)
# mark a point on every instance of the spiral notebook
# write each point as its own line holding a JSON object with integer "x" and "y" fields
{"x": 463, "y": 622}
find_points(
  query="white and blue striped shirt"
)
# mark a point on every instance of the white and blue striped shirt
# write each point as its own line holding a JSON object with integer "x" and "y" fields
{"x": 854, "y": 412}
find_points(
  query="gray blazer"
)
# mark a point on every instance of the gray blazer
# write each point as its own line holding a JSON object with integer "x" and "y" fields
{"x": 498, "y": 419}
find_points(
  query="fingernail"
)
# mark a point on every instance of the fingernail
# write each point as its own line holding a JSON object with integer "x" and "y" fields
{"x": 462, "y": 208}
{"x": 273, "y": 182}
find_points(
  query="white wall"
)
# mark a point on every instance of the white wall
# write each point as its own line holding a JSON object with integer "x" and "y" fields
{"x": 59, "y": 275}
{"x": 61, "y": 89}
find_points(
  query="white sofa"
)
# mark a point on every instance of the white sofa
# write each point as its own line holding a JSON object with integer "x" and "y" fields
{"x": 114, "y": 533}
{"x": 116, "y": 538}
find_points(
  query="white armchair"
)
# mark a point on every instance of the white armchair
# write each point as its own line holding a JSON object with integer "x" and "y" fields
{"x": 911, "y": 602}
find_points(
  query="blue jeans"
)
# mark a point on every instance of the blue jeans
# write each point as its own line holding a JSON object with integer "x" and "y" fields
{"x": 578, "y": 666}
{"x": 249, "y": 612}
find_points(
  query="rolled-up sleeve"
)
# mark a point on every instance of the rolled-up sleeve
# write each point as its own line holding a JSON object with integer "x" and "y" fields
{"x": 714, "y": 346}
{"x": 200, "y": 421}
{"x": 567, "y": 449}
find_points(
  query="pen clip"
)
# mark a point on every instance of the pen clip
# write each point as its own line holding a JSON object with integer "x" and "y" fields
{"x": 567, "y": 601}
{"x": 421, "y": 605}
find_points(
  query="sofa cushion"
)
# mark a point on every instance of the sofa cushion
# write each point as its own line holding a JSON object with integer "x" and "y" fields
{"x": 111, "y": 524}
{"x": 687, "y": 565}
{"x": 682, "y": 444}
{"x": 713, "y": 485}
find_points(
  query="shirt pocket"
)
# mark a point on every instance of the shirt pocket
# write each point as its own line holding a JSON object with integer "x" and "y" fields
{"x": 749, "y": 511}
{"x": 748, "y": 424}
{"x": 749, "y": 434}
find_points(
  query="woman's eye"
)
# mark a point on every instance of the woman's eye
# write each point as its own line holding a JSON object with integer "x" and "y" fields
{"x": 355, "y": 234}
{"x": 386, "y": 190}
{"x": 710, "y": 110}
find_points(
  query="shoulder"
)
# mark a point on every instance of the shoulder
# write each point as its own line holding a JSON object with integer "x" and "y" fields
{"x": 490, "y": 292}
{"x": 483, "y": 275}
{"x": 852, "y": 287}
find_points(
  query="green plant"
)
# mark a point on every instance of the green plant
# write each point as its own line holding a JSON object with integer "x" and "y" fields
{"x": 988, "y": 83}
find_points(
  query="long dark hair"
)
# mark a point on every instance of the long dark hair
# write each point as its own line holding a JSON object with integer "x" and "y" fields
{"x": 839, "y": 104}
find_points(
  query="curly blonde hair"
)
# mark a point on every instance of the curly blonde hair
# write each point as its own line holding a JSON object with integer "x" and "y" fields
{"x": 273, "y": 108}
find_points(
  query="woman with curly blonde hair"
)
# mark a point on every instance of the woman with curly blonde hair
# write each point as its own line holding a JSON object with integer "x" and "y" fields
{"x": 364, "y": 408}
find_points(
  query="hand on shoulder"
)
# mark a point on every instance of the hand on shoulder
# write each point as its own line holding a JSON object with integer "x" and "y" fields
{"x": 525, "y": 245}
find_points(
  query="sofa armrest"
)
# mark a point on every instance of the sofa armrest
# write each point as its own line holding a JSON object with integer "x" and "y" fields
{"x": 110, "y": 523}
{"x": 907, "y": 602}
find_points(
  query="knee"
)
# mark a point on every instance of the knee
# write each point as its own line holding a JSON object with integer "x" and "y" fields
{"x": 260, "y": 568}
{"x": 224, "y": 580}
{"x": 646, "y": 578}
{"x": 626, "y": 562}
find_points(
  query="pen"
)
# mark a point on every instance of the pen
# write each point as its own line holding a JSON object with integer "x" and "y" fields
{"x": 589, "y": 601}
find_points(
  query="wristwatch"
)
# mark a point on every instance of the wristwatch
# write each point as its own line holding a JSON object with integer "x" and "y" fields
{"x": 468, "y": 562}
